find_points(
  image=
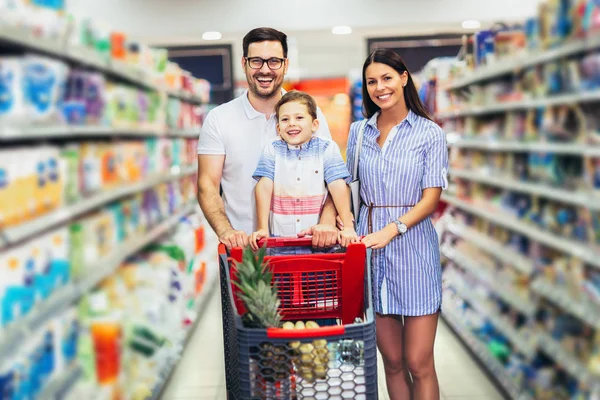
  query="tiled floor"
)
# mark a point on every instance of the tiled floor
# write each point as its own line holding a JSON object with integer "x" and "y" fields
{"x": 200, "y": 374}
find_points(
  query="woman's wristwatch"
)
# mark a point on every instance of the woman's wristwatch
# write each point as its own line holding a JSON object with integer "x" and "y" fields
{"x": 401, "y": 226}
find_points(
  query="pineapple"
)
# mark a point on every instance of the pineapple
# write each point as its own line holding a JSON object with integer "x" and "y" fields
{"x": 262, "y": 304}
{"x": 260, "y": 298}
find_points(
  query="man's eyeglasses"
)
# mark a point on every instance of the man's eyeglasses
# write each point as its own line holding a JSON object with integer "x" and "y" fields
{"x": 257, "y": 62}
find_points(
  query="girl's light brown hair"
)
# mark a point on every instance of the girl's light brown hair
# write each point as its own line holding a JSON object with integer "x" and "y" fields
{"x": 298, "y": 97}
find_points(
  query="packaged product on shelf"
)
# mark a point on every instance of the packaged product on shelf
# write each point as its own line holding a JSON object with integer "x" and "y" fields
{"x": 109, "y": 166}
{"x": 16, "y": 287}
{"x": 132, "y": 213}
{"x": 7, "y": 187}
{"x": 69, "y": 170}
{"x": 91, "y": 167}
{"x": 84, "y": 98}
{"x": 98, "y": 234}
{"x": 173, "y": 75}
{"x": 173, "y": 112}
{"x": 74, "y": 105}
{"x": 77, "y": 250}
{"x": 50, "y": 255}
{"x": 65, "y": 328}
{"x": 43, "y": 84}
{"x": 12, "y": 102}
{"x": 592, "y": 174}
{"x": 131, "y": 162}
{"x": 202, "y": 87}
{"x": 25, "y": 180}
{"x": 165, "y": 154}
{"x": 30, "y": 366}
{"x": 6, "y": 380}
{"x": 50, "y": 182}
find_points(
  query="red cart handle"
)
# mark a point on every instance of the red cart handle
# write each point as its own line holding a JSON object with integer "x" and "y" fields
{"x": 286, "y": 242}
{"x": 314, "y": 333}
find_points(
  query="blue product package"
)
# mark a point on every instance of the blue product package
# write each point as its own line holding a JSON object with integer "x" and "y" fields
{"x": 69, "y": 345}
{"x": 73, "y": 107}
{"x": 481, "y": 48}
{"x": 52, "y": 4}
{"x": 11, "y": 96}
{"x": 44, "y": 82}
{"x": 532, "y": 33}
{"x": 7, "y": 384}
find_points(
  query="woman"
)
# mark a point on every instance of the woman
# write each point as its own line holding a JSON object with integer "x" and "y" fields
{"x": 403, "y": 169}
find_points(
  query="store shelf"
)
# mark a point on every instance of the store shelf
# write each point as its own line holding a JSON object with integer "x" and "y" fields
{"x": 503, "y": 325}
{"x": 167, "y": 370}
{"x": 496, "y": 369}
{"x": 506, "y": 293}
{"x": 107, "y": 266}
{"x": 493, "y": 247}
{"x": 554, "y": 100}
{"x": 68, "y": 294}
{"x": 578, "y": 149}
{"x": 185, "y": 133}
{"x": 58, "y": 386}
{"x": 507, "y": 67}
{"x": 13, "y": 235}
{"x": 59, "y": 48}
{"x": 568, "y": 361}
{"x": 583, "y": 308}
{"x": 499, "y": 217}
{"x": 561, "y": 195}
{"x": 66, "y": 131}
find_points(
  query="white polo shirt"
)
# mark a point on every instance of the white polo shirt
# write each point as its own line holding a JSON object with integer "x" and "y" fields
{"x": 236, "y": 130}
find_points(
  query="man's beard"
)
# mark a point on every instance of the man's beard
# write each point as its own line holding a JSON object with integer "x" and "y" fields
{"x": 257, "y": 90}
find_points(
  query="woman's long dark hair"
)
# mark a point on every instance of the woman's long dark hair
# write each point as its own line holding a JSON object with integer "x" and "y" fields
{"x": 411, "y": 96}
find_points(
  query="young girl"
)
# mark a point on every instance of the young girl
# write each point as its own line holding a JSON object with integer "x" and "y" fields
{"x": 402, "y": 167}
{"x": 296, "y": 172}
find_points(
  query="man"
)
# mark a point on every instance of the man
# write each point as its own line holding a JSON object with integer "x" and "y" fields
{"x": 232, "y": 138}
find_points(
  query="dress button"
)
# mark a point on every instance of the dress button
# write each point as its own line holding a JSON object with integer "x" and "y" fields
{"x": 297, "y": 200}
{"x": 298, "y": 220}
{"x": 299, "y": 158}
{"x": 298, "y": 179}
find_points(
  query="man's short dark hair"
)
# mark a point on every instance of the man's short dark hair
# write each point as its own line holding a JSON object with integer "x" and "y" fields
{"x": 265, "y": 35}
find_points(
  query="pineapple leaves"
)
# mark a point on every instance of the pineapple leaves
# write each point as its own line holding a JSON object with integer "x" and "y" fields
{"x": 254, "y": 280}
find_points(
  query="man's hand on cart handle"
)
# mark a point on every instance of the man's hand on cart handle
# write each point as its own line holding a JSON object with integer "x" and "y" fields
{"x": 232, "y": 238}
{"x": 323, "y": 235}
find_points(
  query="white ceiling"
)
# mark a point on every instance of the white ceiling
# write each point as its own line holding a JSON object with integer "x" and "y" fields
{"x": 171, "y": 21}
{"x": 314, "y": 51}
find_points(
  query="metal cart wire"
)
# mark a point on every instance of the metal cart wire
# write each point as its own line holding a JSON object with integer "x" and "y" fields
{"x": 330, "y": 362}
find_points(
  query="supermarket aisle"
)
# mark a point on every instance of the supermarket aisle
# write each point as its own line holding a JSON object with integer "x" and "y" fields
{"x": 200, "y": 374}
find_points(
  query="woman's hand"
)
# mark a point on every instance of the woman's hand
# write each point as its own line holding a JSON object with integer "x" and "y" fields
{"x": 256, "y": 236}
{"x": 348, "y": 236}
{"x": 382, "y": 238}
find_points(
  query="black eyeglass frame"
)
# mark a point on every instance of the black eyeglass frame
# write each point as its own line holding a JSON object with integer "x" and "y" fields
{"x": 281, "y": 60}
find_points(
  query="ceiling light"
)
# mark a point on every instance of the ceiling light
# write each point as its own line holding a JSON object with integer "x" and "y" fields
{"x": 211, "y": 35}
{"x": 341, "y": 30}
{"x": 471, "y": 24}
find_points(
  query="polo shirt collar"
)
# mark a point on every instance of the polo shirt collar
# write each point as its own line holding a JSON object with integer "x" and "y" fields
{"x": 251, "y": 113}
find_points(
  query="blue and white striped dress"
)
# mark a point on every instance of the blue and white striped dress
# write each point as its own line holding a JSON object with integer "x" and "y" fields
{"x": 407, "y": 272}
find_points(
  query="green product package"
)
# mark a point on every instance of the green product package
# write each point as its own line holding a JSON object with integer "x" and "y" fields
{"x": 76, "y": 249}
{"x": 70, "y": 158}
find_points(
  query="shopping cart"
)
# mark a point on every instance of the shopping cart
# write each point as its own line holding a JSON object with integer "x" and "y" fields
{"x": 330, "y": 362}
